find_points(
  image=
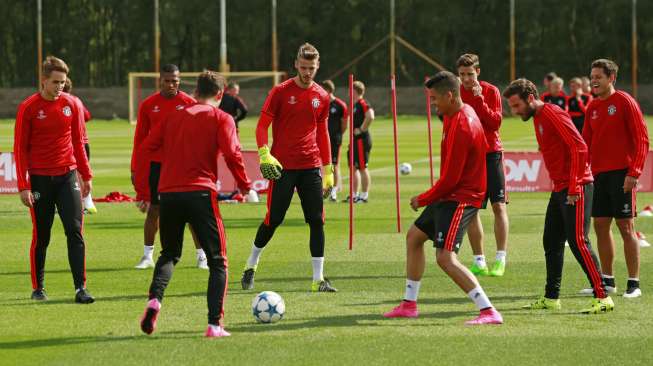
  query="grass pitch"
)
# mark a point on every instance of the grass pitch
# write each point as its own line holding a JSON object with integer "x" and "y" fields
{"x": 344, "y": 328}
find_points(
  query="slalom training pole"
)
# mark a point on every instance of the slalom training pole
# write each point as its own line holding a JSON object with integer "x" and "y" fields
{"x": 351, "y": 161}
{"x": 430, "y": 133}
{"x": 393, "y": 88}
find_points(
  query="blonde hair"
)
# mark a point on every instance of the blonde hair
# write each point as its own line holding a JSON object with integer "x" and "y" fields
{"x": 359, "y": 87}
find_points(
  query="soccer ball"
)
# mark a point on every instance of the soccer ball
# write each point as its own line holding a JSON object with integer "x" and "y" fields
{"x": 405, "y": 168}
{"x": 268, "y": 307}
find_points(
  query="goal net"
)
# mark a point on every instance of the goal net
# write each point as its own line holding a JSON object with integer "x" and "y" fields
{"x": 143, "y": 84}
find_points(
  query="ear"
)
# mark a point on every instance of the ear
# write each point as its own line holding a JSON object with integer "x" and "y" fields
{"x": 613, "y": 78}
{"x": 530, "y": 99}
{"x": 478, "y": 71}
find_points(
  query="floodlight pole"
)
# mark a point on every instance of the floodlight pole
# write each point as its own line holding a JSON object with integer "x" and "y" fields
{"x": 275, "y": 58}
{"x": 634, "y": 54}
{"x": 157, "y": 38}
{"x": 392, "y": 37}
{"x": 224, "y": 67}
{"x": 513, "y": 71}
{"x": 39, "y": 41}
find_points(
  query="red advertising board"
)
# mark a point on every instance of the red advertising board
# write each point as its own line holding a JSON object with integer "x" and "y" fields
{"x": 226, "y": 181}
{"x": 525, "y": 172}
{"x": 8, "y": 177}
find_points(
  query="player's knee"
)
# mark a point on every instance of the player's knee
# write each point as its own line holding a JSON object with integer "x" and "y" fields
{"x": 444, "y": 259}
{"x": 626, "y": 227}
{"x": 315, "y": 221}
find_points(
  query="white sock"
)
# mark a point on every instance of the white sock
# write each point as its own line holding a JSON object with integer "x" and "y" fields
{"x": 88, "y": 200}
{"x": 480, "y": 260}
{"x": 148, "y": 250}
{"x": 334, "y": 194}
{"x": 214, "y": 327}
{"x": 606, "y": 276}
{"x": 363, "y": 195}
{"x": 252, "y": 261}
{"x": 633, "y": 279}
{"x": 318, "y": 268}
{"x": 201, "y": 254}
{"x": 412, "y": 290}
{"x": 479, "y": 298}
{"x": 501, "y": 256}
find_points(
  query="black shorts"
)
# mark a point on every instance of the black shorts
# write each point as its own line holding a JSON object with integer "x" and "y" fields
{"x": 335, "y": 150}
{"x": 496, "y": 179}
{"x": 87, "y": 148}
{"x": 610, "y": 200}
{"x": 308, "y": 183}
{"x": 362, "y": 148}
{"x": 155, "y": 175}
{"x": 449, "y": 220}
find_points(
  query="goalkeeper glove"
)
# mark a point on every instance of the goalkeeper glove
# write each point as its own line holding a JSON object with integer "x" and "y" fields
{"x": 270, "y": 166}
{"x": 327, "y": 180}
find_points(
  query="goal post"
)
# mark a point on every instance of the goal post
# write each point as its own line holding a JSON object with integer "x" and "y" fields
{"x": 143, "y": 84}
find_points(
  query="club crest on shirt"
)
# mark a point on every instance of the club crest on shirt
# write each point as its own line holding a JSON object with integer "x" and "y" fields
{"x": 316, "y": 103}
{"x": 612, "y": 109}
{"x": 595, "y": 114}
{"x": 292, "y": 100}
{"x": 36, "y": 195}
{"x": 333, "y": 110}
{"x": 41, "y": 114}
{"x": 179, "y": 107}
{"x": 156, "y": 109}
{"x": 561, "y": 103}
{"x": 67, "y": 111}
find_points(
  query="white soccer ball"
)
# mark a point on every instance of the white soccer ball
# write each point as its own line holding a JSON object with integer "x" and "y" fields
{"x": 268, "y": 307}
{"x": 405, "y": 168}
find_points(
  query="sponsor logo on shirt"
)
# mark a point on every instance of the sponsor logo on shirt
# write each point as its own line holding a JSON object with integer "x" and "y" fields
{"x": 292, "y": 100}
{"x": 41, "y": 114}
{"x": 156, "y": 109}
{"x": 595, "y": 114}
{"x": 179, "y": 107}
{"x": 612, "y": 109}
{"x": 316, "y": 103}
{"x": 67, "y": 111}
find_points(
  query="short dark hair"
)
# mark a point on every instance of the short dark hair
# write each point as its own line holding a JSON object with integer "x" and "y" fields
{"x": 51, "y": 64}
{"x": 68, "y": 86}
{"x": 444, "y": 81}
{"x": 609, "y": 67}
{"x": 550, "y": 76}
{"x": 169, "y": 69}
{"x": 468, "y": 59}
{"x": 328, "y": 86}
{"x": 308, "y": 52}
{"x": 523, "y": 88}
{"x": 209, "y": 84}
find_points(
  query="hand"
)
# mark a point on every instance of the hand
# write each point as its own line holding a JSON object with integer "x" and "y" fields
{"x": 143, "y": 206}
{"x": 86, "y": 187}
{"x": 327, "y": 181}
{"x": 27, "y": 198}
{"x": 270, "y": 166}
{"x": 476, "y": 89}
{"x": 357, "y": 131}
{"x": 572, "y": 198}
{"x": 414, "y": 204}
{"x": 630, "y": 183}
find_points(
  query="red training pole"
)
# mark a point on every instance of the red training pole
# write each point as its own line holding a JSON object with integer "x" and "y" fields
{"x": 351, "y": 162}
{"x": 393, "y": 88}
{"x": 430, "y": 133}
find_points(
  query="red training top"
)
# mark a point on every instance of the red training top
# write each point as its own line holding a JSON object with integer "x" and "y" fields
{"x": 489, "y": 110}
{"x": 87, "y": 117}
{"x": 151, "y": 112}
{"x": 563, "y": 149}
{"x": 462, "y": 170}
{"x": 616, "y": 134}
{"x": 299, "y": 118}
{"x": 48, "y": 138}
{"x": 190, "y": 140}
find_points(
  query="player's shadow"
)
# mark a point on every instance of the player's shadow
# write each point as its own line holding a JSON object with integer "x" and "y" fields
{"x": 113, "y": 225}
{"x": 67, "y": 270}
{"x": 361, "y": 320}
{"x": 64, "y": 341}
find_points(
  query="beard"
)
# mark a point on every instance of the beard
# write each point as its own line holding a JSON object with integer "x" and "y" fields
{"x": 530, "y": 112}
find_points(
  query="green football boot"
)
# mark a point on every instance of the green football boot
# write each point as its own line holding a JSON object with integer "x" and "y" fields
{"x": 598, "y": 306}
{"x": 479, "y": 271}
{"x": 498, "y": 269}
{"x": 544, "y": 303}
